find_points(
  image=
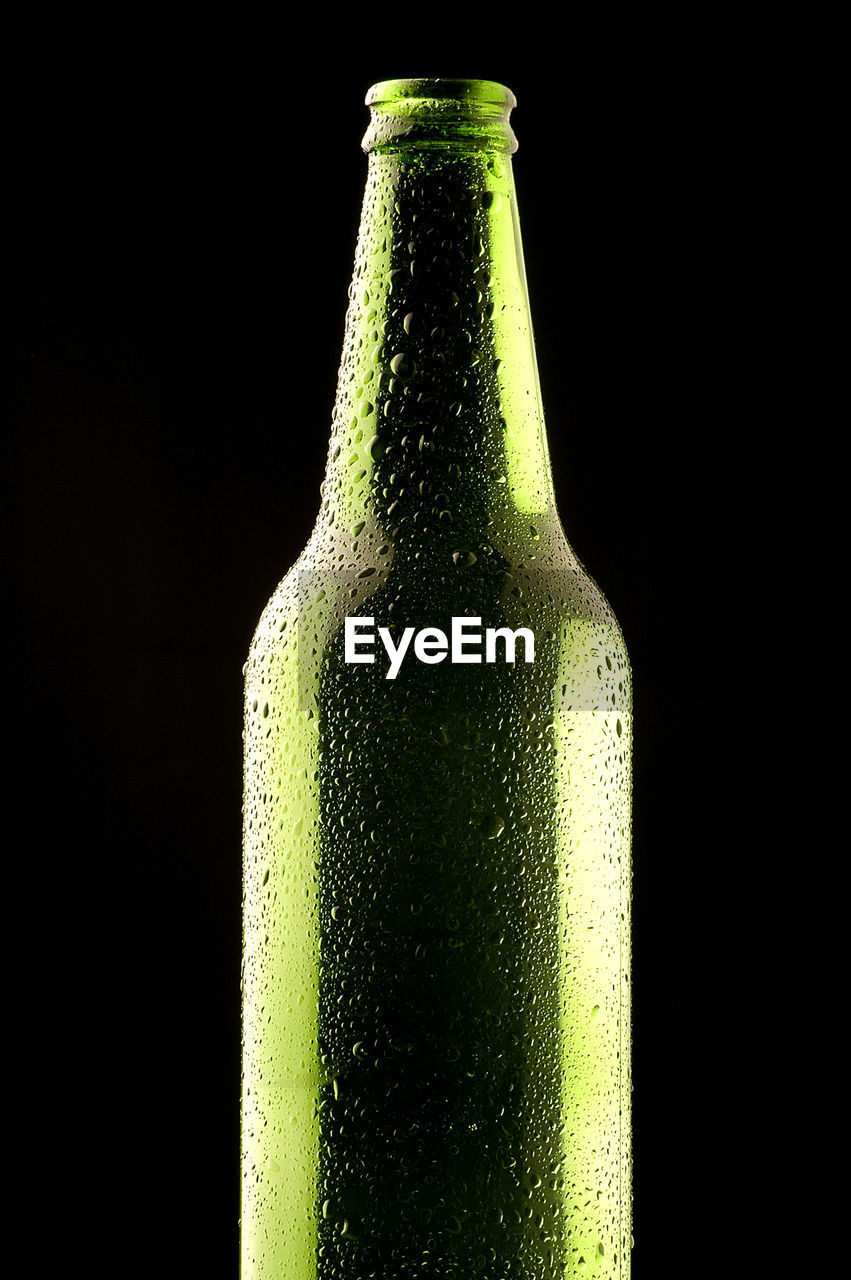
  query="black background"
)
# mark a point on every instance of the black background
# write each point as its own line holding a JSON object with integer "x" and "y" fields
{"x": 184, "y": 227}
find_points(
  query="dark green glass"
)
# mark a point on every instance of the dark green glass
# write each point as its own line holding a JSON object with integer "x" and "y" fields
{"x": 437, "y": 883}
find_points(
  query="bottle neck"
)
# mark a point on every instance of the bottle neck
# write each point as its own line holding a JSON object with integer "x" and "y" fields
{"x": 438, "y": 432}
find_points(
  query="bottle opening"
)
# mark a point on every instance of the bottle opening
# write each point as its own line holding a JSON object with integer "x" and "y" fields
{"x": 470, "y": 114}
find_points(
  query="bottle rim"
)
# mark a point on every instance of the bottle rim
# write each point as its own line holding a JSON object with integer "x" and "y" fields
{"x": 449, "y": 113}
{"x": 449, "y": 89}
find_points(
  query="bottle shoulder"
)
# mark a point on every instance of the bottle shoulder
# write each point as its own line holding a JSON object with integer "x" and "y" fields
{"x": 532, "y": 577}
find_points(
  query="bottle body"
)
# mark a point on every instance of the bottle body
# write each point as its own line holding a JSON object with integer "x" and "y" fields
{"x": 436, "y": 1000}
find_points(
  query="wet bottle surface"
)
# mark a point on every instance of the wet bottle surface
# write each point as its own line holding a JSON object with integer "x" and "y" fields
{"x": 436, "y": 960}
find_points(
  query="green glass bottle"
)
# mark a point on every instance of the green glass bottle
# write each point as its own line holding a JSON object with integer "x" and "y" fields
{"x": 437, "y": 760}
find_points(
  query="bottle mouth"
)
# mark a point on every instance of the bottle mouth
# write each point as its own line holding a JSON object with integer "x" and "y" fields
{"x": 453, "y": 113}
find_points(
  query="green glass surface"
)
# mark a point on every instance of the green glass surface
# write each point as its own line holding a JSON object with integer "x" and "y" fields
{"x": 437, "y": 881}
